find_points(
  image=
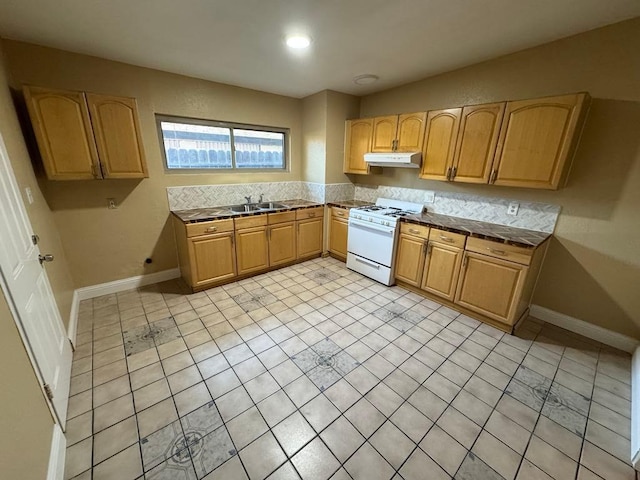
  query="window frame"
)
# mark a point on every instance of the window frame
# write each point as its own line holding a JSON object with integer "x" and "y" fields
{"x": 230, "y": 125}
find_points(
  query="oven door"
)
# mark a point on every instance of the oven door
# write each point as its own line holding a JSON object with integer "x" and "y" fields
{"x": 371, "y": 241}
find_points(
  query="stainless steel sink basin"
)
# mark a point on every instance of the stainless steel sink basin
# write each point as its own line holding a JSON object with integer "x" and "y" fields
{"x": 270, "y": 206}
{"x": 243, "y": 208}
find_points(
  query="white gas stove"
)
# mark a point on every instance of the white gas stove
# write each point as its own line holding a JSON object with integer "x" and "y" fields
{"x": 373, "y": 235}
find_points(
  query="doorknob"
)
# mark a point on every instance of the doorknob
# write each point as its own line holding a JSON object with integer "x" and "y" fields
{"x": 45, "y": 258}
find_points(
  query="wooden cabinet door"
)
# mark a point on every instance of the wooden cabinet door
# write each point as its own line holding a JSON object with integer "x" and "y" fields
{"x": 410, "y": 259}
{"x": 477, "y": 142}
{"x": 441, "y": 270}
{"x": 410, "y": 136}
{"x": 384, "y": 133}
{"x": 251, "y": 250}
{"x": 310, "y": 237}
{"x": 537, "y": 139}
{"x": 62, "y": 127}
{"x": 213, "y": 258}
{"x": 439, "y": 143}
{"x": 117, "y": 132}
{"x": 282, "y": 243}
{"x": 338, "y": 232}
{"x": 490, "y": 286}
{"x": 357, "y": 143}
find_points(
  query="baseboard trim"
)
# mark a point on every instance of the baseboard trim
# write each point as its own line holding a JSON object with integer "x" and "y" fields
{"x": 72, "y": 330}
{"x": 635, "y": 409}
{"x": 107, "y": 288}
{"x": 589, "y": 330}
{"x": 55, "y": 470}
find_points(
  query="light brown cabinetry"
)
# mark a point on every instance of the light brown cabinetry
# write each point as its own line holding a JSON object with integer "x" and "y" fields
{"x": 252, "y": 249}
{"x": 86, "y": 136}
{"x": 440, "y": 143}
{"x": 442, "y": 263}
{"x": 309, "y": 231}
{"x": 338, "y": 232}
{"x": 206, "y": 251}
{"x": 398, "y": 133}
{"x": 282, "y": 241}
{"x": 410, "y": 256}
{"x": 357, "y": 143}
{"x": 487, "y": 279}
{"x": 537, "y": 141}
{"x": 476, "y": 143}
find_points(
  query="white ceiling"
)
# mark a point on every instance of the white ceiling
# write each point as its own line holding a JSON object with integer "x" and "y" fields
{"x": 240, "y": 42}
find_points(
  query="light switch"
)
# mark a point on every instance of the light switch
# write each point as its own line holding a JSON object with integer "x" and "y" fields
{"x": 29, "y": 195}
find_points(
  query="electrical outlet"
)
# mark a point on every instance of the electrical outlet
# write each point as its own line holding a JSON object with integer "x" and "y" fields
{"x": 429, "y": 196}
{"x": 513, "y": 208}
{"x": 111, "y": 203}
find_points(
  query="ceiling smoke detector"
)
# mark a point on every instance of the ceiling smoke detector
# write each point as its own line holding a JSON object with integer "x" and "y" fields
{"x": 366, "y": 79}
{"x": 298, "y": 41}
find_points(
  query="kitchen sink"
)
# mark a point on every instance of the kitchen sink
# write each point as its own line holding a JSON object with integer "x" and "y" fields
{"x": 243, "y": 208}
{"x": 271, "y": 206}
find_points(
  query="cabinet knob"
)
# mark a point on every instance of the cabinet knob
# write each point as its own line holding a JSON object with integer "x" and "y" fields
{"x": 413, "y": 230}
{"x": 497, "y": 252}
{"x": 312, "y": 214}
{"x": 446, "y": 239}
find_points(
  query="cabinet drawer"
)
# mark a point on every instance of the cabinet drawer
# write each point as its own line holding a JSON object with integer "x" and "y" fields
{"x": 249, "y": 222}
{"x": 340, "y": 212}
{"x": 501, "y": 250}
{"x": 305, "y": 213}
{"x": 447, "y": 238}
{"x": 421, "y": 231}
{"x": 281, "y": 217}
{"x": 207, "y": 228}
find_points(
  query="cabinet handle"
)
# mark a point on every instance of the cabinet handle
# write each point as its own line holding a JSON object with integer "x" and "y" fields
{"x": 497, "y": 252}
{"x": 446, "y": 239}
{"x": 494, "y": 175}
{"x": 211, "y": 229}
{"x": 453, "y": 172}
{"x": 449, "y": 173}
{"x": 427, "y": 248}
{"x": 340, "y": 214}
{"x": 464, "y": 260}
{"x": 233, "y": 240}
{"x": 312, "y": 214}
{"x": 413, "y": 230}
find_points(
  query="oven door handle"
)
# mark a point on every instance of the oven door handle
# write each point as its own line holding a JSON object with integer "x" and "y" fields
{"x": 371, "y": 226}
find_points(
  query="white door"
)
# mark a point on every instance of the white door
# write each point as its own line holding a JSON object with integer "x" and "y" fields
{"x": 29, "y": 291}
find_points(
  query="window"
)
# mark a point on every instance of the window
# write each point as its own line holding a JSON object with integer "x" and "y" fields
{"x": 192, "y": 144}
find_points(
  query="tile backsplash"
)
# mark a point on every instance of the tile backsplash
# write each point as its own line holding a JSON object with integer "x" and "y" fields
{"x": 533, "y": 216}
{"x": 541, "y": 217}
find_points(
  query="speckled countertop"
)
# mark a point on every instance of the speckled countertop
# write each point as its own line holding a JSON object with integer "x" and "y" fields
{"x": 349, "y": 204}
{"x": 474, "y": 228}
{"x": 215, "y": 213}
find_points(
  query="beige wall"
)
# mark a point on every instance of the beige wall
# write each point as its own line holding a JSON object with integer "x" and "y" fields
{"x": 39, "y": 213}
{"x": 314, "y": 126}
{"x": 26, "y": 424}
{"x": 592, "y": 270}
{"x": 104, "y": 245}
{"x": 340, "y": 107}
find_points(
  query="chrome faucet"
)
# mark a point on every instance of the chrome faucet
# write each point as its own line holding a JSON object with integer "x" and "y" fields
{"x": 248, "y": 199}
{"x": 260, "y": 200}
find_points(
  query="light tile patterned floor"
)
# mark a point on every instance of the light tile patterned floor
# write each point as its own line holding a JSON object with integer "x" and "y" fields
{"x": 316, "y": 372}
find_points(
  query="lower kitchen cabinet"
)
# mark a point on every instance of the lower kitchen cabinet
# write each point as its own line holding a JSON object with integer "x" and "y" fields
{"x": 441, "y": 268}
{"x": 213, "y": 258}
{"x": 491, "y": 286}
{"x": 410, "y": 259}
{"x": 310, "y": 225}
{"x": 338, "y": 232}
{"x": 252, "y": 249}
{"x": 282, "y": 243}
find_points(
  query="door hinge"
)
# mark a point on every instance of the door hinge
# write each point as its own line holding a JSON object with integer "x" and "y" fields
{"x": 35, "y": 239}
{"x": 48, "y": 391}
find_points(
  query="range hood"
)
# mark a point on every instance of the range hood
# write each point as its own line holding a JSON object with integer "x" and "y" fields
{"x": 394, "y": 159}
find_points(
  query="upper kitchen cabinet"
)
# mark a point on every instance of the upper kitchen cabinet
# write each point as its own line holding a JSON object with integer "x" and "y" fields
{"x": 398, "y": 133}
{"x": 86, "y": 136}
{"x": 117, "y": 132}
{"x": 357, "y": 143}
{"x": 439, "y": 143}
{"x": 62, "y": 127}
{"x": 537, "y": 141}
{"x": 476, "y": 143}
